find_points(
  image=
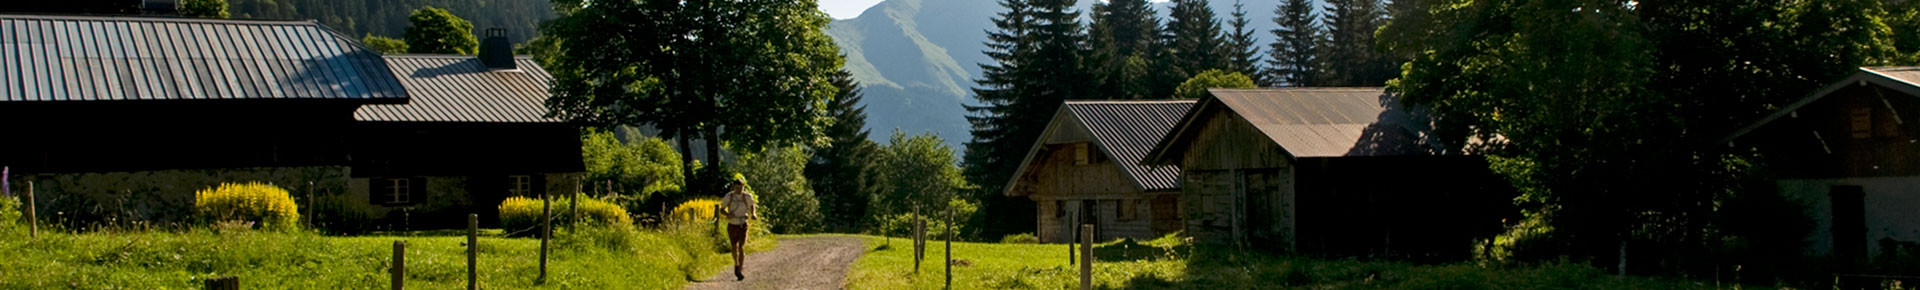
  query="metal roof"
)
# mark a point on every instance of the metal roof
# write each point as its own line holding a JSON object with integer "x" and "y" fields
{"x": 453, "y": 88}
{"x": 1124, "y": 131}
{"x": 1311, "y": 122}
{"x": 93, "y": 58}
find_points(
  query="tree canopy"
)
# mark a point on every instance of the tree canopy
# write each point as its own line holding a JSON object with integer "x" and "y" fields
{"x": 759, "y": 71}
{"x": 203, "y": 8}
{"x": 1196, "y": 87}
{"x": 386, "y": 45}
{"x": 434, "y": 30}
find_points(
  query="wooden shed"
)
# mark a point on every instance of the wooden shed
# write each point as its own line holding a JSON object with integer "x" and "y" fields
{"x": 1846, "y": 152}
{"x": 1085, "y": 169}
{"x": 1336, "y": 171}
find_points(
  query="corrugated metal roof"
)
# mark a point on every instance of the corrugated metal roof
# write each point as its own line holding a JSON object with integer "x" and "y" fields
{"x": 1324, "y": 122}
{"x": 91, "y": 58}
{"x": 1126, "y": 130}
{"x": 1909, "y": 74}
{"x": 449, "y": 88}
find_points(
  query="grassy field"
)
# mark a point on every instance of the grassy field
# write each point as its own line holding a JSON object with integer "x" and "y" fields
{"x": 592, "y": 259}
{"x": 1169, "y": 263}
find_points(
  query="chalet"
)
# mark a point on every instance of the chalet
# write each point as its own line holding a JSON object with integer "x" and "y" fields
{"x": 473, "y": 134}
{"x": 1333, "y": 171}
{"x": 1085, "y": 169}
{"x": 123, "y": 118}
{"x": 1846, "y": 153}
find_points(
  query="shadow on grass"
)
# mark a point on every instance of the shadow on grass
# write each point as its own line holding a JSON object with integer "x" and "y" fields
{"x": 1126, "y": 250}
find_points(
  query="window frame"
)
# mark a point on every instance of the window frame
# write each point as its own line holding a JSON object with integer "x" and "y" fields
{"x": 520, "y": 185}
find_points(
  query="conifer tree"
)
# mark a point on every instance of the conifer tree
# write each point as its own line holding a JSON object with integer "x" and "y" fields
{"x": 1291, "y": 57}
{"x": 1347, "y": 52}
{"x": 1122, "y": 37}
{"x": 1190, "y": 44}
{"x": 1243, "y": 55}
{"x": 1038, "y": 47}
{"x": 843, "y": 173}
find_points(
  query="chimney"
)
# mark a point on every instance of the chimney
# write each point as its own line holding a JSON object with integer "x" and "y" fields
{"x": 496, "y": 51}
{"x": 158, "y": 7}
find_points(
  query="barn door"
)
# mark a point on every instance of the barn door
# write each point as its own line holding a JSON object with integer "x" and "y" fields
{"x": 1166, "y": 213}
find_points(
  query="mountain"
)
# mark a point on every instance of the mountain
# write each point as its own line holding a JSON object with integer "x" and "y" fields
{"x": 917, "y": 59}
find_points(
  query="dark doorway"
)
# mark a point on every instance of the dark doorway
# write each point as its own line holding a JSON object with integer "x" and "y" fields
{"x": 1849, "y": 221}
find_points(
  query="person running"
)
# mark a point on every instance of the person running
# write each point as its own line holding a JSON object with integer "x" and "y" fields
{"x": 739, "y": 207}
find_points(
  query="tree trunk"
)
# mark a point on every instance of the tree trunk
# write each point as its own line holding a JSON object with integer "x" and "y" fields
{"x": 713, "y": 146}
{"x": 686, "y": 161}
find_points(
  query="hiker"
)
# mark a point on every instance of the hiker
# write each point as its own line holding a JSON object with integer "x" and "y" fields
{"x": 739, "y": 208}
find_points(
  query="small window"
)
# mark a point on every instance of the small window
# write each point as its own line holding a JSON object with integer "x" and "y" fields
{"x": 1081, "y": 154}
{"x": 396, "y": 190}
{"x": 520, "y": 185}
{"x": 1861, "y": 118}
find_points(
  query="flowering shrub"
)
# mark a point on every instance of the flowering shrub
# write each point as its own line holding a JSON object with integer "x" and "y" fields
{"x": 518, "y": 214}
{"x": 268, "y": 206}
{"x": 694, "y": 210}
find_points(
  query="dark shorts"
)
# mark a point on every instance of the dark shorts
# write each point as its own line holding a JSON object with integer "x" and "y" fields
{"x": 737, "y": 233}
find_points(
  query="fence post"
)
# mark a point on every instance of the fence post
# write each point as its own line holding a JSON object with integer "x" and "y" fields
{"x": 308, "y": 217}
{"x": 399, "y": 273}
{"x": 223, "y": 283}
{"x": 919, "y": 238}
{"x": 1086, "y": 256}
{"x": 950, "y": 230}
{"x": 546, "y": 232}
{"x": 573, "y": 205}
{"x": 473, "y": 251}
{"x": 33, "y": 216}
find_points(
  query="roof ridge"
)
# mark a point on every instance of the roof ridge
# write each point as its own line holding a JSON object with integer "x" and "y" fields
{"x": 151, "y": 18}
{"x": 1130, "y": 101}
{"x": 442, "y": 55}
{"x": 1302, "y": 89}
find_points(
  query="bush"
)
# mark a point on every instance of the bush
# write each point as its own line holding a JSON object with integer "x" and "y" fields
{"x": 519, "y": 214}
{"x": 9, "y": 213}
{"x": 342, "y": 215}
{"x": 1021, "y": 238}
{"x": 267, "y": 205}
{"x": 694, "y": 211}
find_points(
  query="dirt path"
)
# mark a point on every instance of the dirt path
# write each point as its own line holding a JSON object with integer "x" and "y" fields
{"x": 798, "y": 263}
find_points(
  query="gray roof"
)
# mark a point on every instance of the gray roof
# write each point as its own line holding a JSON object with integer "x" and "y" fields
{"x": 453, "y": 88}
{"x": 93, "y": 58}
{"x": 1124, "y": 131}
{"x": 1312, "y": 122}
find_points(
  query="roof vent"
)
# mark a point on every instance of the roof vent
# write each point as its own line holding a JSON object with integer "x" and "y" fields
{"x": 496, "y": 51}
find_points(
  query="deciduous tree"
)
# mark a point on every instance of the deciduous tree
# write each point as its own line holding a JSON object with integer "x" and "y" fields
{"x": 434, "y": 30}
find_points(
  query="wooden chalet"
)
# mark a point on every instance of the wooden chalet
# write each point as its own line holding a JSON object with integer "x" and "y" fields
{"x": 1331, "y": 171}
{"x": 123, "y": 118}
{"x": 1846, "y": 153}
{"x": 473, "y": 134}
{"x": 1085, "y": 169}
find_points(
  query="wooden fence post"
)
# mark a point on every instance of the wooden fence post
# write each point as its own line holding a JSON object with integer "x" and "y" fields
{"x": 919, "y": 238}
{"x": 573, "y": 205}
{"x": 1086, "y": 256}
{"x": 546, "y": 233}
{"x": 223, "y": 283}
{"x": 33, "y": 216}
{"x": 950, "y": 230}
{"x": 399, "y": 273}
{"x": 473, "y": 251}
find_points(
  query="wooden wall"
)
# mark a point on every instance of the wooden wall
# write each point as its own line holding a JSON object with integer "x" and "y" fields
{"x": 1859, "y": 131}
{"x": 1060, "y": 186}
{"x": 1238, "y": 185}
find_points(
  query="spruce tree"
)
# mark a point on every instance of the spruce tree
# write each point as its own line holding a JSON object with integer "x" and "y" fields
{"x": 1291, "y": 59}
{"x": 1243, "y": 55}
{"x": 1348, "y": 50}
{"x": 1122, "y": 37}
{"x": 842, "y": 173}
{"x": 1038, "y": 46}
{"x": 1190, "y": 44}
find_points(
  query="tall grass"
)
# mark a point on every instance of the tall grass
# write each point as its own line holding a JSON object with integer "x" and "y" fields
{"x": 589, "y": 258}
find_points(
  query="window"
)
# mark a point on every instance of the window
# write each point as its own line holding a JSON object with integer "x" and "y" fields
{"x": 395, "y": 190}
{"x": 1861, "y": 117}
{"x": 520, "y": 185}
{"x": 1081, "y": 154}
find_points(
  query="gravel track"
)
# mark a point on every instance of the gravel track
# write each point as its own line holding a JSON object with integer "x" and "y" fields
{"x": 798, "y": 263}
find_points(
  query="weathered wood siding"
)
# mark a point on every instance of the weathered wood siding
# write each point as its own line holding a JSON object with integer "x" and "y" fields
{"x": 1060, "y": 187}
{"x": 1858, "y": 131}
{"x": 1238, "y": 185}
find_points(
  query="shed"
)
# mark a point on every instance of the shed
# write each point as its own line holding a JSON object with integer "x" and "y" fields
{"x": 1085, "y": 169}
{"x": 1336, "y": 171}
{"x": 1846, "y": 152}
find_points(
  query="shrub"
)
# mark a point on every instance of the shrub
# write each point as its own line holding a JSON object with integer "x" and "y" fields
{"x": 519, "y": 214}
{"x": 9, "y": 213}
{"x": 267, "y": 205}
{"x": 341, "y": 214}
{"x": 1022, "y": 238}
{"x": 694, "y": 211}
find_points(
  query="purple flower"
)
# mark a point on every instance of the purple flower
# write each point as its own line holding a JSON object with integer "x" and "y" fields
{"x": 5, "y": 189}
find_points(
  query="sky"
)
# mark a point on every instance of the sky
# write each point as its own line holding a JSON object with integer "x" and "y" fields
{"x": 843, "y": 9}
